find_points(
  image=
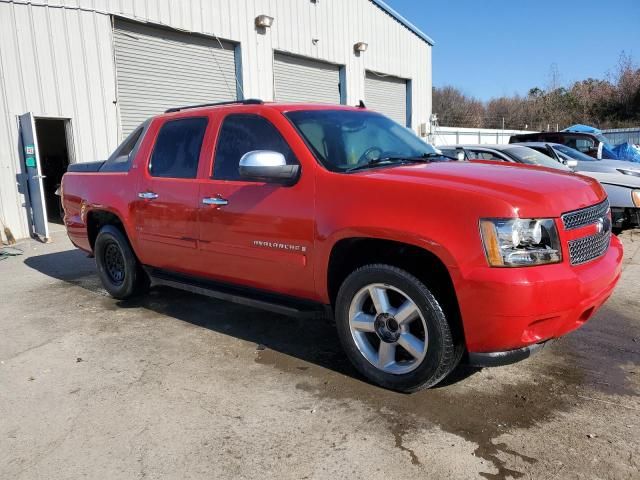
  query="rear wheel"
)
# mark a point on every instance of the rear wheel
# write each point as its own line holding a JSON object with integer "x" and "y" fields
{"x": 394, "y": 330}
{"x": 118, "y": 268}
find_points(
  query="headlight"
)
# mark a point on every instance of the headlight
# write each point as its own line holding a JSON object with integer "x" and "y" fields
{"x": 635, "y": 196}
{"x": 635, "y": 173}
{"x": 520, "y": 242}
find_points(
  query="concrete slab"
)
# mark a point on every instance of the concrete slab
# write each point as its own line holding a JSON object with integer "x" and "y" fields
{"x": 180, "y": 386}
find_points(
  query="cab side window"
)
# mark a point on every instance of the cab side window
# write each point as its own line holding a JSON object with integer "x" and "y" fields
{"x": 177, "y": 149}
{"x": 584, "y": 145}
{"x": 483, "y": 155}
{"x": 241, "y": 133}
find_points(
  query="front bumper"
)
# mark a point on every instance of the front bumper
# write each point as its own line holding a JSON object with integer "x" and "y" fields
{"x": 510, "y": 308}
{"x": 498, "y": 359}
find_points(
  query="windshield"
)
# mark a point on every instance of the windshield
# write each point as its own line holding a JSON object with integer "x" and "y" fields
{"x": 533, "y": 157}
{"x": 573, "y": 153}
{"x": 343, "y": 139}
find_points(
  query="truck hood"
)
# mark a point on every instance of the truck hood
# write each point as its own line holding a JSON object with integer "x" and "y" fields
{"x": 530, "y": 191}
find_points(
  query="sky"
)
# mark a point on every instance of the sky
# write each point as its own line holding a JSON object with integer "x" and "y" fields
{"x": 491, "y": 48}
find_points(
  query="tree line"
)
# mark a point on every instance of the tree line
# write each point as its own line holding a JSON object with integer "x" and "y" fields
{"x": 612, "y": 102}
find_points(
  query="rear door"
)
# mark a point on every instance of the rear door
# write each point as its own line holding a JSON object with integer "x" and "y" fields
{"x": 34, "y": 175}
{"x": 259, "y": 234}
{"x": 167, "y": 195}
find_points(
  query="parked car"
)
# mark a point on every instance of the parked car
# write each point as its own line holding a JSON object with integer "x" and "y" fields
{"x": 587, "y": 143}
{"x": 504, "y": 153}
{"x": 620, "y": 179}
{"x": 301, "y": 209}
{"x": 585, "y": 163}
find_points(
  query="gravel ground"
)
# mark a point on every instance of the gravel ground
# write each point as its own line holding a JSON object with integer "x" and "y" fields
{"x": 180, "y": 386}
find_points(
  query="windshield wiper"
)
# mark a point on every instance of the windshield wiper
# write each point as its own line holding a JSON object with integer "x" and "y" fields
{"x": 424, "y": 158}
{"x": 437, "y": 155}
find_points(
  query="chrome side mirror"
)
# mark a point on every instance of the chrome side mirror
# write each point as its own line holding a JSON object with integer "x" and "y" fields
{"x": 267, "y": 166}
{"x": 571, "y": 163}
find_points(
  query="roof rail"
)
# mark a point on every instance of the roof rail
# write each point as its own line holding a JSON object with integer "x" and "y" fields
{"x": 248, "y": 101}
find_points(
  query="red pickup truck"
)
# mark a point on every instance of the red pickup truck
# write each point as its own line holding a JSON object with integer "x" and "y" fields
{"x": 303, "y": 209}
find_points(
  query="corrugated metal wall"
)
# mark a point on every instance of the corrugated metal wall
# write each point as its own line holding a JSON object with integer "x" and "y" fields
{"x": 56, "y": 59}
{"x": 622, "y": 135}
{"x": 54, "y": 62}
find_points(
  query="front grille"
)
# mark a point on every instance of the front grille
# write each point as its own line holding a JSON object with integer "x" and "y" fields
{"x": 585, "y": 216}
{"x": 588, "y": 248}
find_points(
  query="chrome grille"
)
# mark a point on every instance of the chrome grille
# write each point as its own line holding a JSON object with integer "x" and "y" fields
{"x": 588, "y": 248}
{"x": 585, "y": 216}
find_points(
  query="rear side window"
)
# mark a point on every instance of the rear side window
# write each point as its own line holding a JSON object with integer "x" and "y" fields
{"x": 583, "y": 144}
{"x": 242, "y": 133}
{"x": 120, "y": 160}
{"x": 177, "y": 148}
{"x": 482, "y": 155}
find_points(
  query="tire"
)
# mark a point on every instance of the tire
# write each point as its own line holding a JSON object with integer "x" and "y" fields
{"x": 424, "y": 362}
{"x": 118, "y": 268}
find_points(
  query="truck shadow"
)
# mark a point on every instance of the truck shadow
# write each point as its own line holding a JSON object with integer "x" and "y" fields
{"x": 314, "y": 341}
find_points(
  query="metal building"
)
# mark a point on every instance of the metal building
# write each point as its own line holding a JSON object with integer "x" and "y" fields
{"x": 78, "y": 75}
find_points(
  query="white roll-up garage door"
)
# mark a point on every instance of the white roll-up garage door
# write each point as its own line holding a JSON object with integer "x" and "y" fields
{"x": 297, "y": 79}
{"x": 157, "y": 68}
{"x": 387, "y": 95}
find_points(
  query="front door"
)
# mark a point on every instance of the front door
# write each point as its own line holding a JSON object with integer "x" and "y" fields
{"x": 167, "y": 196}
{"x": 34, "y": 175}
{"x": 255, "y": 233}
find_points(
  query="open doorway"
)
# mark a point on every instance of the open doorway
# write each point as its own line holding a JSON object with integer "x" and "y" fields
{"x": 53, "y": 147}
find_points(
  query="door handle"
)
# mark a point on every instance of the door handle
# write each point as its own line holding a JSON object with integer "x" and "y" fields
{"x": 147, "y": 195}
{"x": 215, "y": 201}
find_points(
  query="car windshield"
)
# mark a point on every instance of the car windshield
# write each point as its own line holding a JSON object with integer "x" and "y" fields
{"x": 533, "y": 157}
{"x": 344, "y": 139}
{"x": 573, "y": 153}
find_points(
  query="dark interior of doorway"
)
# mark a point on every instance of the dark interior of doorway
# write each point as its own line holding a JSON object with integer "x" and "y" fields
{"x": 54, "y": 160}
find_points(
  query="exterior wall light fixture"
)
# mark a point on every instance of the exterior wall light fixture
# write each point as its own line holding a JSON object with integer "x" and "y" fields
{"x": 360, "y": 47}
{"x": 264, "y": 21}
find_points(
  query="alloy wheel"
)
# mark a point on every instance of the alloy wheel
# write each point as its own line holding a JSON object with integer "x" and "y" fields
{"x": 388, "y": 328}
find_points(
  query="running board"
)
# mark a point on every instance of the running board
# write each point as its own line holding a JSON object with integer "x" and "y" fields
{"x": 271, "y": 302}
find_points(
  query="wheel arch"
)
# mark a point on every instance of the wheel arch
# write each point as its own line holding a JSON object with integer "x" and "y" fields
{"x": 350, "y": 253}
{"x": 96, "y": 218}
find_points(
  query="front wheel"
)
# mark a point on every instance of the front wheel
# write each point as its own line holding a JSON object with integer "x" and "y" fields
{"x": 394, "y": 330}
{"x": 118, "y": 267}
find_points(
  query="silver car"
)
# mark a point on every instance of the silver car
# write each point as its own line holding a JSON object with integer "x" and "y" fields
{"x": 620, "y": 179}
{"x": 585, "y": 163}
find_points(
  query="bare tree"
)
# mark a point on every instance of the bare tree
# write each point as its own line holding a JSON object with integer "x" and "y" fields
{"x": 609, "y": 103}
